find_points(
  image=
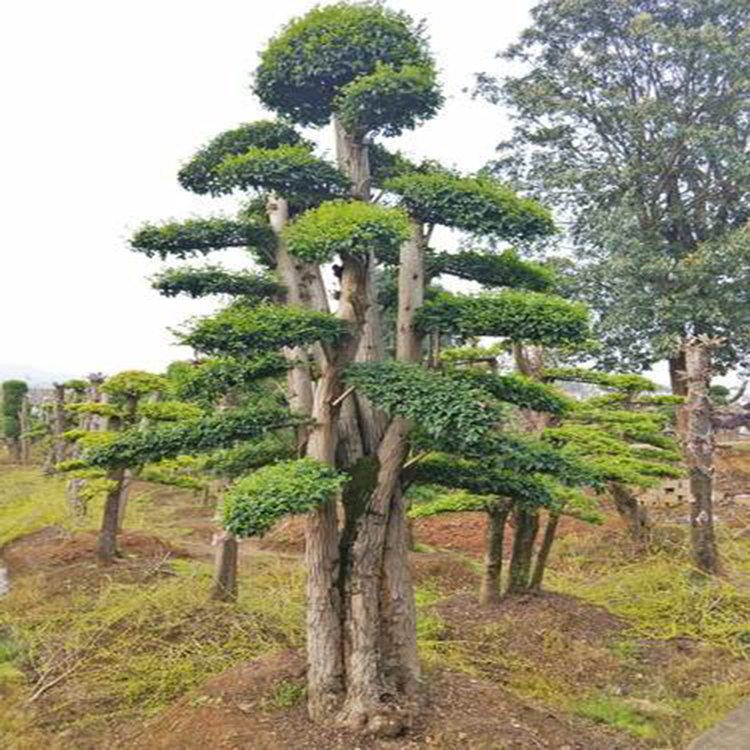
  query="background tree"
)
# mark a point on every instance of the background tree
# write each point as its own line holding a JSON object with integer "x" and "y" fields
{"x": 632, "y": 120}
{"x": 13, "y": 395}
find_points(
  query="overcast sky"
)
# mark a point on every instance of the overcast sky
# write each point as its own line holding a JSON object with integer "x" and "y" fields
{"x": 103, "y": 101}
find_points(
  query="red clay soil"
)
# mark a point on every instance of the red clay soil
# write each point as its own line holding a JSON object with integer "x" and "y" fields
{"x": 54, "y": 548}
{"x": 242, "y": 709}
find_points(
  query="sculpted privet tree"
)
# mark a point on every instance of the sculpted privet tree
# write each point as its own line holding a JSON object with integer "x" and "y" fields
{"x": 367, "y": 71}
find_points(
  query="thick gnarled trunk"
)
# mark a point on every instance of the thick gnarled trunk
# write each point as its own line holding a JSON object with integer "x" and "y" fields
{"x": 106, "y": 547}
{"x": 632, "y": 512}
{"x": 526, "y": 529}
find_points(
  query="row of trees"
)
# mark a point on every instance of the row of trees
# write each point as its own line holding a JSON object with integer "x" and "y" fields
{"x": 628, "y": 124}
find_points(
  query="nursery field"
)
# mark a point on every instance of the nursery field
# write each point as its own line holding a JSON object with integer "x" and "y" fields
{"x": 626, "y": 648}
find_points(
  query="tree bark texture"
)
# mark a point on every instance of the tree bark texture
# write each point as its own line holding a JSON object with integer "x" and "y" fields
{"x": 699, "y": 449}
{"x": 106, "y": 548}
{"x": 526, "y": 530}
{"x": 540, "y": 566}
{"x": 497, "y": 517}
{"x": 224, "y": 587}
{"x": 679, "y": 385}
{"x": 631, "y": 511}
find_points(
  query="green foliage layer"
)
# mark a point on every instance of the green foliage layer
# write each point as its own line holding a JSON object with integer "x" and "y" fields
{"x": 241, "y": 331}
{"x": 476, "y": 205}
{"x": 199, "y": 175}
{"x": 304, "y": 69}
{"x": 520, "y": 316}
{"x": 135, "y": 448}
{"x": 287, "y": 170}
{"x": 202, "y": 282}
{"x": 254, "y": 504}
{"x": 13, "y": 392}
{"x": 198, "y": 237}
{"x": 340, "y": 228}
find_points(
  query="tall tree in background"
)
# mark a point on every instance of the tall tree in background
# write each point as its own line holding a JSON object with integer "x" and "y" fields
{"x": 632, "y": 118}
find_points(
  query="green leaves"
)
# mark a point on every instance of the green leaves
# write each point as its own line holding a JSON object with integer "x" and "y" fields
{"x": 133, "y": 384}
{"x": 200, "y": 174}
{"x": 504, "y": 269}
{"x": 389, "y": 100}
{"x": 474, "y": 204}
{"x": 305, "y": 68}
{"x": 254, "y": 504}
{"x": 627, "y": 383}
{"x": 518, "y": 390}
{"x": 241, "y": 331}
{"x": 340, "y": 228}
{"x": 198, "y": 236}
{"x": 169, "y": 411}
{"x": 208, "y": 280}
{"x": 287, "y": 170}
{"x": 13, "y": 393}
{"x": 135, "y": 447}
{"x": 519, "y": 316}
{"x": 443, "y": 407}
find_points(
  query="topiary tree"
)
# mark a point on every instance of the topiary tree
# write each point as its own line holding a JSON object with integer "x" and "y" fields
{"x": 13, "y": 392}
{"x": 366, "y": 70}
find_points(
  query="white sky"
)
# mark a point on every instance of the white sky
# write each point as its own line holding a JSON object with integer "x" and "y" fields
{"x": 102, "y": 103}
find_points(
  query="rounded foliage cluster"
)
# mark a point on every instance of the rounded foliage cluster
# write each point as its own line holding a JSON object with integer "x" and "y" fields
{"x": 199, "y": 175}
{"x": 305, "y": 68}
{"x": 389, "y": 100}
{"x": 241, "y": 330}
{"x": 169, "y": 411}
{"x": 474, "y": 204}
{"x": 287, "y": 170}
{"x": 257, "y": 502}
{"x": 133, "y": 384}
{"x": 519, "y": 316}
{"x": 198, "y": 236}
{"x": 346, "y": 228}
{"x": 201, "y": 282}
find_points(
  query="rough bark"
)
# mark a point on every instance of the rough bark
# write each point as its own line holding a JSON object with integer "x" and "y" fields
{"x": 679, "y": 385}
{"x": 57, "y": 448}
{"x": 497, "y": 517}
{"x": 526, "y": 530}
{"x": 224, "y": 586}
{"x": 632, "y": 512}
{"x": 550, "y": 530}
{"x": 106, "y": 547}
{"x": 699, "y": 449}
{"x": 76, "y": 502}
{"x": 122, "y": 505}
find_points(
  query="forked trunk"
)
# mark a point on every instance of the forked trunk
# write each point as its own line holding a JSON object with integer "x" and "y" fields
{"x": 497, "y": 517}
{"x": 542, "y": 557}
{"x": 526, "y": 529}
{"x": 224, "y": 587}
{"x": 106, "y": 548}
{"x": 699, "y": 445}
{"x": 632, "y": 512}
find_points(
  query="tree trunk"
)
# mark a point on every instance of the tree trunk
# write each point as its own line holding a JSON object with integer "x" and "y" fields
{"x": 632, "y": 512}
{"x": 542, "y": 557}
{"x": 497, "y": 517}
{"x": 122, "y": 505}
{"x": 679, "y": 384}
{"x": 25, "y": 419}
{"x": 76, "y": 502}
{"x": 57, "y": 446}
{"x": 106, "y": 548}
{"x": 224, "y": 587}
{"x": 699, "y": 446}
{"x": 527, "y": 527}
